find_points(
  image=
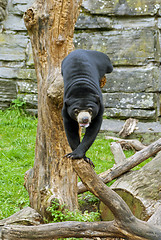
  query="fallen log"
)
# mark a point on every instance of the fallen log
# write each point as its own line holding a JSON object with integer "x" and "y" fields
{"x": 132, "y": 227}
{"x": 139, "y": 189}
{"x": 61, "y": 230}
{"x": 27, "y": 215}
{"x": 131, "y": 162}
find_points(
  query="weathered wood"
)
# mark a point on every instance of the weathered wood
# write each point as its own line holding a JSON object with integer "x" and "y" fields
{"x": 131, "y": 162}
{"x": 125, "y": 224}
{"x": 134, "y": 160}
{"x": 156, "y": 217}
{"x": 26, "y": 216}
{"x": 128, "y": 127}
{"x": 140, "y": 189}
{"x": 50, "y": 25}
{"x": 61, "y": 230}
{"x": 134, "y": 143}
{"x": 118, "y": 153}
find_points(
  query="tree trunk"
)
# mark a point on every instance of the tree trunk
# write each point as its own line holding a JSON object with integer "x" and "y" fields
{"x": 139, "y": 189}
{"x": 50, "y": 25}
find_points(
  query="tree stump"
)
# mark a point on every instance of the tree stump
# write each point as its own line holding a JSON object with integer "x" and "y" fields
{"x": 139, "y": 189}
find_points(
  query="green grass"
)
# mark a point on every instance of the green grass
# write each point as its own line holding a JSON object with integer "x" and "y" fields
{"x": 17, "y": 150}
{"x": 101, "y": 155}
{"x": 17, "y": 143}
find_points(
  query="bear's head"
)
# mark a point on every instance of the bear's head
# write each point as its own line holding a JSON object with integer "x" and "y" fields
{"x": 83, "y": 109}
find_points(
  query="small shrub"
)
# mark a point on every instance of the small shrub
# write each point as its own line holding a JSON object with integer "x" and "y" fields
{"x": 18, "y": 104}
{"x": 60, "y": 214}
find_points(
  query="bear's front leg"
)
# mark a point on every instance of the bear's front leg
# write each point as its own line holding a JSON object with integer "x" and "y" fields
{"x": 71, "y": 129}
{"x": 89, "y": 137}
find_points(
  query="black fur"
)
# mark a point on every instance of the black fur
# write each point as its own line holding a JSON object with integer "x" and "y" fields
{"x": 82, "y": 71}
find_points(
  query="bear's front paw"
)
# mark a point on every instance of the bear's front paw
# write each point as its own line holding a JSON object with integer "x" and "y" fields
{"x": 74, "y": 155}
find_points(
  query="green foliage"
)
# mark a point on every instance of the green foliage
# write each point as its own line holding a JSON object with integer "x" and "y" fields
{"x": 18, "y": 104}
{"x": 60, "y": 214}
{"x": 87, "y": 197}
{"x": 100, "y": 153}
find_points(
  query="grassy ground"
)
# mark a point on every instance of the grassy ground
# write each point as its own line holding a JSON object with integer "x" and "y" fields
{"x": 17, "y": 144}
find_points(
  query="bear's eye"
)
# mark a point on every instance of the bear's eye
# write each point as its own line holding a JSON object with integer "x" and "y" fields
{"x": 76, "y": 112}
{"x": 90, "y": 111}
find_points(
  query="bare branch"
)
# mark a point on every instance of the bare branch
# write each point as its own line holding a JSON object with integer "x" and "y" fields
{"x": 61, "y": 230}
{"x": 134, "y": 160}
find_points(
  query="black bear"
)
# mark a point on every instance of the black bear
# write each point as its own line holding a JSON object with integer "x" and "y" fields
{"x": 82, "y": 71}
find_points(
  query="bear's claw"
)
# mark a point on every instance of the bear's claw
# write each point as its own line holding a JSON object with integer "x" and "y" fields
{"x": 88, "y": 160}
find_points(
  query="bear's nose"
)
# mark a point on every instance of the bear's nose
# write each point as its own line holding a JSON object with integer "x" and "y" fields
{"x": 85, "y": 120}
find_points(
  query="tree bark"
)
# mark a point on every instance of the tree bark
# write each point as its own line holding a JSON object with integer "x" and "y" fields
{"x": 156, "y": 217}
{"x": 50, "y": 25}
{"x": 61, "y": 230}
{"x": 132, "y": 227}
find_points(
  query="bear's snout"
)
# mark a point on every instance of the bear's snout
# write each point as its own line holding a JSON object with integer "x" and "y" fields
{"x": 84, "y": 119}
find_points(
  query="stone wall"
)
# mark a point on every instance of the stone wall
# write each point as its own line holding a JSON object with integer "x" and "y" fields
{"x": 127, "y": 30}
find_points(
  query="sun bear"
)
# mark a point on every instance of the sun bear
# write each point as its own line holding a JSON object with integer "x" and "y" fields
{"x": 82, "y": 71}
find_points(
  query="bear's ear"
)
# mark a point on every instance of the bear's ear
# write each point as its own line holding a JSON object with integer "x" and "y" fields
{"x": 66, "y": 102}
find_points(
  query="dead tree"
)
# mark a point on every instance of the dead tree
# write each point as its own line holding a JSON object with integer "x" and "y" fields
{"x": 50, "y": 25}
